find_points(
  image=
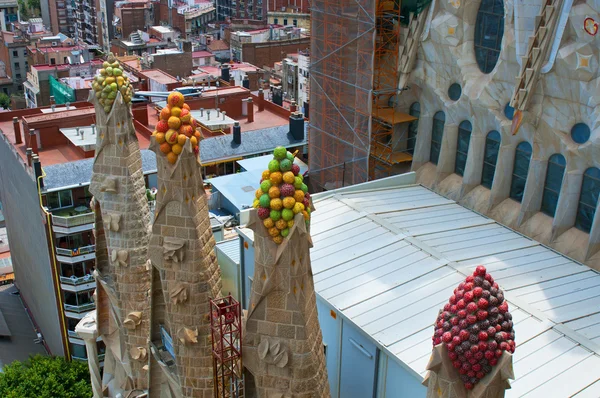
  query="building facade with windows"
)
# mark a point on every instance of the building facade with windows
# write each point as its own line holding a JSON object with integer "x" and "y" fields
{"x": 521, "y": 150}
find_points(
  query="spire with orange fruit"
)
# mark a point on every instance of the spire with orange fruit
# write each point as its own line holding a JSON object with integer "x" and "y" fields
{"x": 175, "y": 126}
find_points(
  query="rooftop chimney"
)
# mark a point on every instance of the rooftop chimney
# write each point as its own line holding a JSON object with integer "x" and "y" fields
{"x": 29, "y": 153}
{"x": 201, "y": 112}
{"x": 223, "y": 113}
{"x": 53, "y": 107}
{"x": 37, "y": 169}
{"x": 261, "y": 100}
{"x": 17, "y": 129}
{"x": 297, "y": 126}
{"x": 250, "y": 110}
{"x": 207, "y": 115}
{"x": 67, "y": 104}
{"x": 77, "y": 131}
{"x": 52, "y": 101}
{"x": 237, "y": 133}
{"x": 33, "y": 141}
{"x": 225, "y": 72}
{"x": 93, "y": 126}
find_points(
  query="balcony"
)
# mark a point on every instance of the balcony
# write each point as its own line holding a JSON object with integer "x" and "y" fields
{"x": 80, "y": 251}
{"x": 75, "y": 281}
{"x": 80, "y": 308}
{"x": 72, "y": 220}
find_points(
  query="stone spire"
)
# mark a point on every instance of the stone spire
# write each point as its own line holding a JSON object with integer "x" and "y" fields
{"x": 122, "y": 234}
{"x": 283, "y": 344}
{"x": 185, "y": 276}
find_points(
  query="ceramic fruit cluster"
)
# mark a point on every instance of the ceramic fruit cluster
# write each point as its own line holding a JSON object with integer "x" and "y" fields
{"x": 175, "y": 127}
{"x": 111, "y": 81}
{"x": 476, "y": 327}
{"x": 282, "y": 195}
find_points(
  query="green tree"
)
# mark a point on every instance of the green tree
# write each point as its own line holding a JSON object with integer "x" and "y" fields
{"x": 45, "y": 377}
{"x": 4, "y": 101}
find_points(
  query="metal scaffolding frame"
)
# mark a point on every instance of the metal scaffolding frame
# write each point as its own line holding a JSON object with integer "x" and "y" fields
{"x": 354, "y": 73}
{"x": 226, "y": 337}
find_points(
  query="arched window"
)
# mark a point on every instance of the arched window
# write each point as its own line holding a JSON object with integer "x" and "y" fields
{"x": 413, "y": 127}
{"x": 462, "y": 147}
{"x": 490, "y": 157}
{"x": 554, "y": 177}
{"x": 588, "y": 198}
{"x": 489, "y": 29}
{"x": 520, "y": 169}
{"x": 437, "y": 132}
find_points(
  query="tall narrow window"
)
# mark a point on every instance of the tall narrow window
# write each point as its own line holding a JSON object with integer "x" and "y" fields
{"x": 490, "y": 157}
{"x": 588, "y": 199}
{"x": 437, "y": 132}
{"x": 462, "y": 147}
{"x": 489, "y": 29}
{"x": 520, "y": 170}
{"x": 554, "y": 177}
{"x": 413, "y": 127}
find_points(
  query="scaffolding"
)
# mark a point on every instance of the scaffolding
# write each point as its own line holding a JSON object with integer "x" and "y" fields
{"x": 354, "y": 83}
{"x": 226, "y": 336}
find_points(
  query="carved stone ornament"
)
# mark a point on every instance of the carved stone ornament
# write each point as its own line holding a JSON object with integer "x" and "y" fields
{"x": 188, "y": 336}
{"x": 112, "y": 222}
{"x": 139, "y": 353}
{"x": 119, "y": 257}
{"x": 273, "y": 353}
{"x": 179, "y": 294}
{"x": 109, "y": 185}
{"x": 173, "y": 249}
{"x": 132, "y": 320}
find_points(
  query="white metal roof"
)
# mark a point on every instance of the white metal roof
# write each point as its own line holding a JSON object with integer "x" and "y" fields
{"x": 389, "y": 259}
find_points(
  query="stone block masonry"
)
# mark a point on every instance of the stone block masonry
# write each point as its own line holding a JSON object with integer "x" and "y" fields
{"x": 183, "y": 259}
{"x": 122, "y": 279}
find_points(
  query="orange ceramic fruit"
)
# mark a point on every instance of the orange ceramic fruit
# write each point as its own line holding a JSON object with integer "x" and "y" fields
{"x": 165, "y": 113}
{"x": 185, "y": 116}
{"x": 274, "y": 192}
{"x": 273, "y": 231}
{"x": 281, "y": 224}
{"x": 197, "y": 134}
{"x": 266, "y": 174}
{"x": 160, "y": 137}
{"x": 276, "y": 178}
{"x": 276, "y": 204}
{"x": 171, "y": 137}
{"x": 175, "y": 99}
{"x": 186, "y": 130}
{"x": 194, "y": 141}
{"x": 175, "y": 111}
{"x": 289, "y": 202}
{"x": 176, "y": 148}
{"x": 186, "y": 106}
{"x": 278, "y": 239}
{"x": 268, "y": 223}
{"x": 174, "y": 122}
{"x": 162, "y": 126}
{"x": 165, "y": 148}
{"x": 299, "y": 195}
{"x": 181, "y": 139}
{"x": 171, "y": 157}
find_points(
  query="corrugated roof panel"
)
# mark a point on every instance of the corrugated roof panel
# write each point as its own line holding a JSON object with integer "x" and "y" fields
{"x": 383, "y": 279}
{"x": 592, "y": 391}
{"x": 393, "y": 286}
{"x": 231, "y": 249}
{"x": 436, "y": 219}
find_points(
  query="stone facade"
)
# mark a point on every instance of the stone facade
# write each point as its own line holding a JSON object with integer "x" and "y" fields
{"x": 554, "y": 92}
{"x": 122, "y": 219}
{"x": 185, "y": 276}
{"x": 283, "y": 344}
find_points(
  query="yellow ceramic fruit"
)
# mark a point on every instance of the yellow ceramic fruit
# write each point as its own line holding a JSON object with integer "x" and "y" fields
{"x": 160, "y": 137}
{"x": 174, "y": 122}
{"x": 266, "y": 174}
{"x": 290, "y": 223}
{"x": 175, "y": 111}
{"x": 276, "y": 178}
{"x": 181, "y": 139}
{"x": 299, "y": 195}
{"x": 194, "y": 141}
{"x": 176, "y": 148}
{"x": 268, "y": 223}
{"x": 289, "y": 177}
{"x": 289, "y": 202}
{"x": 276, "y": 204}
{"x": 298, "y": 207}
{"x": 273, "y": 231}
{"x": 278, "y": 239}
{"x": 258, "y": 193}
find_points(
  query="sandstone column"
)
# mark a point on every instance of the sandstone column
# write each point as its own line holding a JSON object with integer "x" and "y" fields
{"x": 283, "y": 344}
{"x": 185, "y": 276}
{"x": 121, "y": 231}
